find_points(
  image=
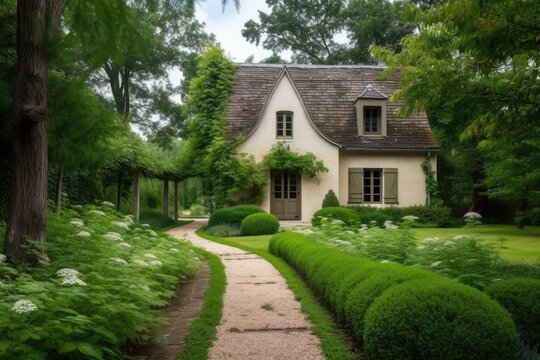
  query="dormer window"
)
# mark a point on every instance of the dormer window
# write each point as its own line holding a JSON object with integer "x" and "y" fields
{"x": 284, "y": 124}
{"x": 372, "y": 120}
{"x": 371, "y": 112}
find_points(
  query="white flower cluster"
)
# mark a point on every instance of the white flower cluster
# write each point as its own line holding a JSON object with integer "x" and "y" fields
{"x": 388, "y": 224}
{"x": 342, "y": 242}
{"x": 364, "y": 227}
{"x": 84, "y": 234}
{"x": 435, "y": 264}
{"x": 3, "y": 258}
{"x": 156, "y": 263}
{"x": 145, "y": 225}
{"x": 77, "y": 207}
{"x": 97, "y": 213}
{"x": 471, "y": 215}
{"x": 410, "y": 218}
{"x": 128, "y": 219}
{"x": 385, "y": 262}
{"x": 458, "y": 237}
{"x": 140, "y": 262}
{"x": 23, "y": 306}
{"x": 119, "y": 261}
{"x": 77, "y": 222}
{"x": 150, "y": 256}
{"x": 120, "y": 224}
{"x": 174, "y": 250}
{"x": 152, "y": 233}
{"x": 109, "y": 204}
{"x": 70, "y": 277}
{"x": 137, "y": 229}
{"x": 124, "y": 245}
{"x": 113, "y": 236}
{"x": 430, "y": 241}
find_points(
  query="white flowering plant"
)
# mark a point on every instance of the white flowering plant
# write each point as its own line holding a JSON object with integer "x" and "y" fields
{"x": 88, "y": 275}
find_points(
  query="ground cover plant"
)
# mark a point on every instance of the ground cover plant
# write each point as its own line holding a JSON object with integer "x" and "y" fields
{"x": 375, "y": 300}
{"x": 100, "y": 286}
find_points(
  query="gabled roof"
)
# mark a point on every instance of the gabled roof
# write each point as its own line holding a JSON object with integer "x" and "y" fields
{"x": 371, "y": 93}
{"x": 328, "y": 94}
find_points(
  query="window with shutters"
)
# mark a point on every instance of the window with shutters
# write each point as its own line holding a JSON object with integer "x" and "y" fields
{"x": 284, "y": 124}
{"x": 372, "y": 185}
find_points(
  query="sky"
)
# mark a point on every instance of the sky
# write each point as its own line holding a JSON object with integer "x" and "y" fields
{"x": 227, "y": 26}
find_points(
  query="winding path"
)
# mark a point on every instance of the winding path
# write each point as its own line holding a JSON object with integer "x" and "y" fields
{"x": 261, "y": 318}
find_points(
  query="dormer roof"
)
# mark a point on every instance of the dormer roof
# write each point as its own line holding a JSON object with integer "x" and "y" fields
{"x": 370, "y": 92}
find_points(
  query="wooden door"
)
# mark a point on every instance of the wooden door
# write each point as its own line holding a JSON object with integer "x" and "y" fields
{"x": 285, "y": 195}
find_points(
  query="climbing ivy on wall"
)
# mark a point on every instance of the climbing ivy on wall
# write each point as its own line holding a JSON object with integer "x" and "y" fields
{"x": 281, "y": 158}
{"x": 432, "y": 188}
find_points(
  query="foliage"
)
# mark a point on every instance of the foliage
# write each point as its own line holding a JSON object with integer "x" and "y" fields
{"x": 125, "y": 273}
{"x": 520, "y": 297}
{"x": 281, "y": 157}
{"x": 432, "y": 188}
{"x": 259, "y": 224}
{"x": 224, "y": 230}
{"x": 232, "y": 215}
{"x": 155, "y": 219}
{"x": 334, "y": 345}
{"x": 202, "y": 331}
{"x": 197, "y": 210}
{"x": 483, "y": 57}
{"x": 330, "y": 199}
{"x": 370, "y": 215}
{"x": 347, "y": 216}
{"x": 432, "y": 216}
{"x": 431, "y": 318}
{"x": 315, "y": 262}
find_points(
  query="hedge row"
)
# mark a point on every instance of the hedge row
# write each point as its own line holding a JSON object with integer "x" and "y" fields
{"x": 232, "y": 215}
{"x": 399, "y": 312}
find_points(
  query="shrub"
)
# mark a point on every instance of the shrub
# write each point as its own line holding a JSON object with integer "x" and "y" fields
{"x": 433, "y": 319}
{"x": 259, "y": 224}
{"x": 224, "y": 230}
{"x": 330, "y": 200}
{"x": 350, "y": 286}
{"x": 197, "y": 210}
{"x": 521, "y": 297}
{"x": 155, "y": 219}
{"x": 367, "y": 215}
{"x": 346, "y": 215}
{"x": 232, "y": 215}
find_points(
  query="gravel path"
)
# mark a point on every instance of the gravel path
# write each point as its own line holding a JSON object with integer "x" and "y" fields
{"x": 261, "y": 319}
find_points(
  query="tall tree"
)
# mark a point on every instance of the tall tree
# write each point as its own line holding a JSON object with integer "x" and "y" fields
{"x": 479, "y": 61}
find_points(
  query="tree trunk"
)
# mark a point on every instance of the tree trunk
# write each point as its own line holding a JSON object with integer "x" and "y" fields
{"x": 118, "y": 190}
{"x": 175, "y": 200}
{"x": 522, "y": 214}
{"x": 136, "y": 195}
{"x": 59, "y": 180}
{"x": 166, "y": 197}
{"x": 37, "y": 26}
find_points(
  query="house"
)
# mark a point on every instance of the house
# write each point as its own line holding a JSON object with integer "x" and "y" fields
{"x": 343, "y": 115}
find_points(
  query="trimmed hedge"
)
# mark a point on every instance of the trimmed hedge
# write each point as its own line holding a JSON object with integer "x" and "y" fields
{"x": 521, "y": 297}
{"x": 259, "y": 224}
{"x": 348, "y": 216}
{"x": 330, "y": 199}
{"x": 350, "y": 286}
{"x": 438, "y": 319}
{"x": 232, "y": 215}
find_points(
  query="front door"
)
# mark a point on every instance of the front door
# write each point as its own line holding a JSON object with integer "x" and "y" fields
{"x": 285, "y": 195}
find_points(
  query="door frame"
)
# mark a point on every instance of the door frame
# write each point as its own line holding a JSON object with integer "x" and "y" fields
{"x": 298, "y": 215}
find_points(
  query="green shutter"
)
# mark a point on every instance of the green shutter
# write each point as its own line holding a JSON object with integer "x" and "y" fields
{"x": 391, "y": 186}
{"x": 356, "y": 176}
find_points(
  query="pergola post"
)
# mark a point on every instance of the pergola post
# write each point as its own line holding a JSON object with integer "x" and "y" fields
{"x": 176, "y": 200}
{"x": 136, "y": 195}
{"x": 166, "y": 197}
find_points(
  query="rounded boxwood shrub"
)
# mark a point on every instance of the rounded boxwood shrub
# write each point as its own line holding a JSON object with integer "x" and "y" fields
{"x": 259, "y": 224}
{"x": 438, "y": 319}
{"x": 232, "y": 215}
{"x": 348, "y": 216}
{"x": 521, "y": 297}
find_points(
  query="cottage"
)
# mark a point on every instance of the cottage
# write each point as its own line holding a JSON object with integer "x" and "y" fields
{"x": 343, "y": 115}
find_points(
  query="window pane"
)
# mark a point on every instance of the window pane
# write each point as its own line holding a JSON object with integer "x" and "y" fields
{"x": 376, "y": 198}
{"x": 367, "y": 190}
{"x": 376, "y": 181}
{"x": 367, "y": 198}
{"x": 288, "y": 132}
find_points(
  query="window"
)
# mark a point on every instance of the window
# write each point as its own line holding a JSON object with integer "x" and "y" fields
{"x": 284, "y": 126}
{"x": 372, "y": 119}
{"x": 372, "y": 185}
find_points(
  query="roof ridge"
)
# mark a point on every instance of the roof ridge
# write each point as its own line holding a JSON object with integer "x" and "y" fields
{"x": 313, "y": 66}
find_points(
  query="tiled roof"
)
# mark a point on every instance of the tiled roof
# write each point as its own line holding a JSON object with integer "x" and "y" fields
{"x": 328, "y": 93}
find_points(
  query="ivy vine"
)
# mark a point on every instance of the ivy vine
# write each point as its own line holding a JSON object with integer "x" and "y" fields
{"x": 432, "y": 187}
{"x": 281, "y": 158}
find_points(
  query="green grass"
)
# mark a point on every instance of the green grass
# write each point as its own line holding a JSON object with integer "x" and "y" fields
{"x": 202, "y": 331}
{"x": 520, "y": 245}
{"x": 333, "y": 343}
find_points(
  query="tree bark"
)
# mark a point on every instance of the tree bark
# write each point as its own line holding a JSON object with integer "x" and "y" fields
{"x": 37, "y": 25}
{"x": 118, "y": 190}
{"x": 59, "y": 181}
{"x": 166, "y": 197}
{"x": 136, "y": 195}
{"x": 175, "y": 200}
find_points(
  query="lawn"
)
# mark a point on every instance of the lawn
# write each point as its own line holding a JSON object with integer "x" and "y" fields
{"x": 257, "y": 242}
{"x": 520, "y": 245}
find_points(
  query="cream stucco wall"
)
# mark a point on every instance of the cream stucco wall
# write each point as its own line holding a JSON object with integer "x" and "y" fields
{"x": 305, "y": 139}
{"x": 411, "y": 185}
